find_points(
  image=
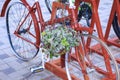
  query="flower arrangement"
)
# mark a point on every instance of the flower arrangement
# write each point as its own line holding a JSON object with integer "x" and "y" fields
{"x": 59, "y": 39}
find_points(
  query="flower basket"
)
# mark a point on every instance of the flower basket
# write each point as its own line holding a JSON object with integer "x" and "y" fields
{"x": 59, "y": 40}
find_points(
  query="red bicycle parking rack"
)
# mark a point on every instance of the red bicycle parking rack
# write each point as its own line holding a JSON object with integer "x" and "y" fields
{"x": 58, "y": 66}
{"x": 114, "y": 10}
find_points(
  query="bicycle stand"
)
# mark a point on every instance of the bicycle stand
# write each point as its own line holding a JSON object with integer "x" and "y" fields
{"x": 57, "y": 66}
{"x": 114, "y": 10}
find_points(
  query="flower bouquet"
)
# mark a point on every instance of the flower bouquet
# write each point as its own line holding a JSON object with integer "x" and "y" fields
{"x": 59, "y": 40}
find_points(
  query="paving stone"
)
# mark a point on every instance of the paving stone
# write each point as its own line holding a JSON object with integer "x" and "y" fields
{"x": 8, "y": 71}
{"x": 15, "y": 65}
{"x": 4, "y": 76}
{"x": 3, "y": 56}
{"x": 15, "y": 75}
{"x": 24, "y": 71}
{"x": 52, "y": 77}
{"x": 10, "y": 59}
{"x": 4, "y": 66}
{"x": 2, "y": 62}
{"x": 20, "y": 61}
{"x": 8, "y": 50}
{"x": 1, "y": 43}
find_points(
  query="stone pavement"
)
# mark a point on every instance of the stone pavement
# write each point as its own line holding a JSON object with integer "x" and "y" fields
{"x": 11, "y": 68}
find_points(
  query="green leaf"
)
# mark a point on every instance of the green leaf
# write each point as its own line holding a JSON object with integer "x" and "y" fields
{"x": 43, "y": 33}
{"x": 64, "y": 42}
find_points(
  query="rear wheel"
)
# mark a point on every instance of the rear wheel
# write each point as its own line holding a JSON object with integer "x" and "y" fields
{"x": 93, "y": 65}
{"x": 116, "y": 26}
{"x": 23, "y": 33}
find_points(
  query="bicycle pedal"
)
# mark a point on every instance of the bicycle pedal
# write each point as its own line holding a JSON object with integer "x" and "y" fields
{"x": 37, "y": 69}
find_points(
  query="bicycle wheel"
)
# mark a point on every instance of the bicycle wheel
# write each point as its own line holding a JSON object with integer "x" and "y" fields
{"x": 116, "y": 26}
{"x": 23, "y": 31}
{"x": 93, "y": 65}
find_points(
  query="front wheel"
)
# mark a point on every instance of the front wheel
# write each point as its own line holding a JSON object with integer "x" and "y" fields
{"x": 23, "y": 31}
{"x": 90, "y": 62}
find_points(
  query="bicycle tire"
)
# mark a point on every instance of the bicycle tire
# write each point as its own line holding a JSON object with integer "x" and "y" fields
{"x": 29, "y": 30}
{"x": 48, "y": 5}
{"x": 116, "y": 26}
{"x": 73, "y": 67}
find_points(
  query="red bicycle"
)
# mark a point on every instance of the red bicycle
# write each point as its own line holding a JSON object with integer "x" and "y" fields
{"x": 25, "y": 24}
